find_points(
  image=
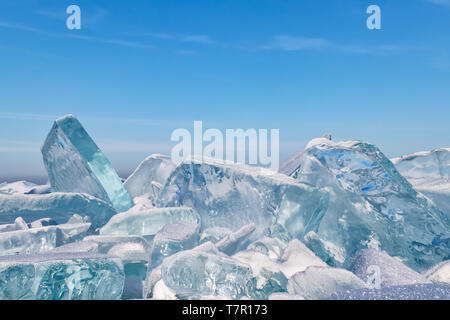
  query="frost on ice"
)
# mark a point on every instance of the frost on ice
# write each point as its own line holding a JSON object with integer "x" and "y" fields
{"x": 75, "y": 164}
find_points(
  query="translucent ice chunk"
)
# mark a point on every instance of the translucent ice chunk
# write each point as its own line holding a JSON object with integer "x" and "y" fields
{"x": 150, "y": 176}
{"x": 106, "y": 242}
{"x": 19, "y": 224}
{"x": 61, "y": 276}
{"x": 36, "y": 240}
{"x": 271, "y": 247}
{"x": 18, "y": 187}
{"x": 406, "y": 292}
{"x": 134, "y": 257}
{"x": 233, "y": 195}
{"x": 79, "y": 246}
{"x": 378, "y": 269}
{"x": 439, "y": 273}
{"x": 28, "y": 241}
{"x": 214, "y": 234}
{"x": 172, "y": 238}
{"x": 75, "y": 164}
{"x": 44, "y": 222}
{"x": 371, "y": 206}
{"x": 57, "y": 206}
{"x": 429, "y": 173}
{"x": 205, "y": 271}
{"x": 319, "y": 283}
{"x": 148, "y": 222}
{"x": 272, "y": 271}
{"x": 233, "y": 242}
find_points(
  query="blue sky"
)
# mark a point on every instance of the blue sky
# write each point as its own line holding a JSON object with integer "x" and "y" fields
{"x": 137, "y": 70}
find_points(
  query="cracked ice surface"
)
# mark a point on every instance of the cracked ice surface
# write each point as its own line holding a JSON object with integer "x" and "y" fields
{"x": 75, "y": 164}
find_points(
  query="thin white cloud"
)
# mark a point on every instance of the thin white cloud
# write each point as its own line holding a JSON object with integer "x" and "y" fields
{"x": 131, "y": 44}
{"x": 296, "y": 43}
{"x": 201, "y": 39}
{"x": 440, "y": 2}
{"x": 7, "y": 25}
{"x": 291, "y": 43}
{"x": 26, "y": 116}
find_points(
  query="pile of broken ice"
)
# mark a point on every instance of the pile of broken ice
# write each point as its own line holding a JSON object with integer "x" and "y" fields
{"x": 339, "y": 221}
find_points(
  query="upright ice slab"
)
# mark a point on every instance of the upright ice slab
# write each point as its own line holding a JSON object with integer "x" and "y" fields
{"x": 75, "y": 164}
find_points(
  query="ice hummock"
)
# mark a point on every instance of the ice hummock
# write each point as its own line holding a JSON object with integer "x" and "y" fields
{"x": 371, "y": 206}
{"x": 58, "y": 206}
{"x": 75, "y": 164}
{"x": 61, "y": 276}
{"x": 232, "y": 195}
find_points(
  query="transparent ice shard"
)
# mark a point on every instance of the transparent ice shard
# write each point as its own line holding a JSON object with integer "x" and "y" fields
{"x": 61, "y": 276}
{"x": 271, "y": 247}
{"x": 319, "y": 283}
{"x": 148, "y": 222}
{"x": 232, "y": 243}
{"x": 79, "y": 246}
{"x": 75, "y": 164}
{"x": 205, "y": 271}
{"x": 29, "y": 241}
{"x": 370, "y": 206}
{"x": 19, "y": 224}
{"x": 172, "y": 238}
{"x": 214, "y": 234}
{"x": 37, "y": 240}
{"x": 106, "y": 242}
{"x": 231, "y": 195}
{"x": 379, "y": 269}
{"x": 58, "y": 206}
{"x": 150, "y": 176}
